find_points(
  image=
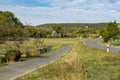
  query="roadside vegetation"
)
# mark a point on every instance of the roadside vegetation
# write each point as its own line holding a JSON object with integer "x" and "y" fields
{"x": 111, "y": 34}
{"x": 80, "y": 63}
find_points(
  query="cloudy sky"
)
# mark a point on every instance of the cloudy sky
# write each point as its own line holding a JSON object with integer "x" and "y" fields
{"x": 37, "y": 12}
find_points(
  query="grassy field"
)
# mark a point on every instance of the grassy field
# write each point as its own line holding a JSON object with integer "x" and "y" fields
{"x": 80, "y": 63}
{"x": 32, "y": 44}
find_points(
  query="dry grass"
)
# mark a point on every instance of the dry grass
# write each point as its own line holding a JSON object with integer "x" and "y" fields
{"x": 81, "y": 63}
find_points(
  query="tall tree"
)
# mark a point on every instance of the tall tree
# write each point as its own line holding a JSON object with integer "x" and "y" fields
{"x": 112, "y": 29}
{"x": 10, "y": 26}
{"x": 110, "y": 32}
{"x": 59, "y": 29}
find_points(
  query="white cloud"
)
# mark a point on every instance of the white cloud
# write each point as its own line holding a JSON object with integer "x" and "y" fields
{"x": 67, "y": 11}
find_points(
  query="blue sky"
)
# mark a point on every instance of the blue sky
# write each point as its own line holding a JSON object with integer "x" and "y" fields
{"x": 35, "y": 12}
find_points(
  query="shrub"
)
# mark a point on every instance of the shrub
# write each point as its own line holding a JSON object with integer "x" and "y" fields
{"x": 84, "y": 35}
{"x": 94, "y": 35}
{"x": 13, "y": 55}
{"x": 3, "y": 59}
{"x": 0, "y": 59}
{"x": 28, "y": 53}
{"x": 54, "y": 34}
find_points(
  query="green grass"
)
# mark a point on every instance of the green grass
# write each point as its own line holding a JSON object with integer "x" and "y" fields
{"x": 2, "y": 65}
{"x": 81, "y": 63}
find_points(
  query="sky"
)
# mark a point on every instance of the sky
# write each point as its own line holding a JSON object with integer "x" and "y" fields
{"x": 35, "y": 12}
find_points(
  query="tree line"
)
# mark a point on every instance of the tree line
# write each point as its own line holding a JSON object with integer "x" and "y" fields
{"x": 11, "y": 28}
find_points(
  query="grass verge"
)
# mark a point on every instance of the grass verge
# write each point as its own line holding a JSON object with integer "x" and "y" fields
{"x": 2, "y": 65}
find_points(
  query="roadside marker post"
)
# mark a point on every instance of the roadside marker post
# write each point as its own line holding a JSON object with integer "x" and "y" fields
{"x": 108, "y": 48}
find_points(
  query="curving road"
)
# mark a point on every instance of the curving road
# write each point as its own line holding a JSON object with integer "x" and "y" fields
{"x": 14, "y": 70}
{"x": 94, "y": 43}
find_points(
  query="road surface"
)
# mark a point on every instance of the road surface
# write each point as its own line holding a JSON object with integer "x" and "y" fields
{"x": 14, "y": 70}
{"x": 95, "y": 43}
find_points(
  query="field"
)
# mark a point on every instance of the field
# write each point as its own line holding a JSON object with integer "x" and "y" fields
{"x": 80, "y": 63}
{"x": 32, "y": 44}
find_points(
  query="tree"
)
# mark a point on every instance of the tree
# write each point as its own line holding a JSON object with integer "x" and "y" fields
{"x": 10, "y": 26}
{"x": 112, "y": 29}
{"x": 11, "y": 29}
{"x": 54, "y": 34}
{"x": 59, "y": 29}
{"x": 110, "y": 32}
{"x": 105, "y": 35}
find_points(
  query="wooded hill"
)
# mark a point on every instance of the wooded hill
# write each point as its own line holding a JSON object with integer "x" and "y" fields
{"x": 75, "y": 29}
{"x": 73, "y": 25}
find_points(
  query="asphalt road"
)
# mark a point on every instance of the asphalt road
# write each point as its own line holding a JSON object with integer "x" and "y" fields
{"x": 95, "y": 43}
{"x": 14, "y": 70}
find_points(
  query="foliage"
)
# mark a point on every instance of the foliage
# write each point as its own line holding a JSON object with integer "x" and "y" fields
{"x": 110, "y": 32}
{"x": 54, "y": 34}
{"x": 94, "y": 35}
{"x": 0, "y": 59}
{"x": 105, "y": 35}
{"x": 10, "y": 27}
{"x": 113, "y": 29}
{"x": 59, "y": 29}
{"x": 13, "y": 55}
{"x": 72, "y": 30}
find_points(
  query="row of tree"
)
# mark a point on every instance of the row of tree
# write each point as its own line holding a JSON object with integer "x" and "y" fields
{"x": 72, "y": 29}
{"x": 11, "y": 28}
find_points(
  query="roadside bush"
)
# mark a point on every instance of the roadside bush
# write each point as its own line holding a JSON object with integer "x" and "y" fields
{"x": 13, "y": 55}
{"x": 3, "y": 59}
{"x": 84, "y": 35}
{"x": 116, "y": 44}
{"x": 0, "y": 59}
{"x": 94, "y": 35}
{"x": 49, "y": 47}
{"x": 28, "y": 53}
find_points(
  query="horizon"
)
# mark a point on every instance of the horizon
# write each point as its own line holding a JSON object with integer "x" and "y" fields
{"x": 38, "y": 12}
{"x": 77, "y": 23}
